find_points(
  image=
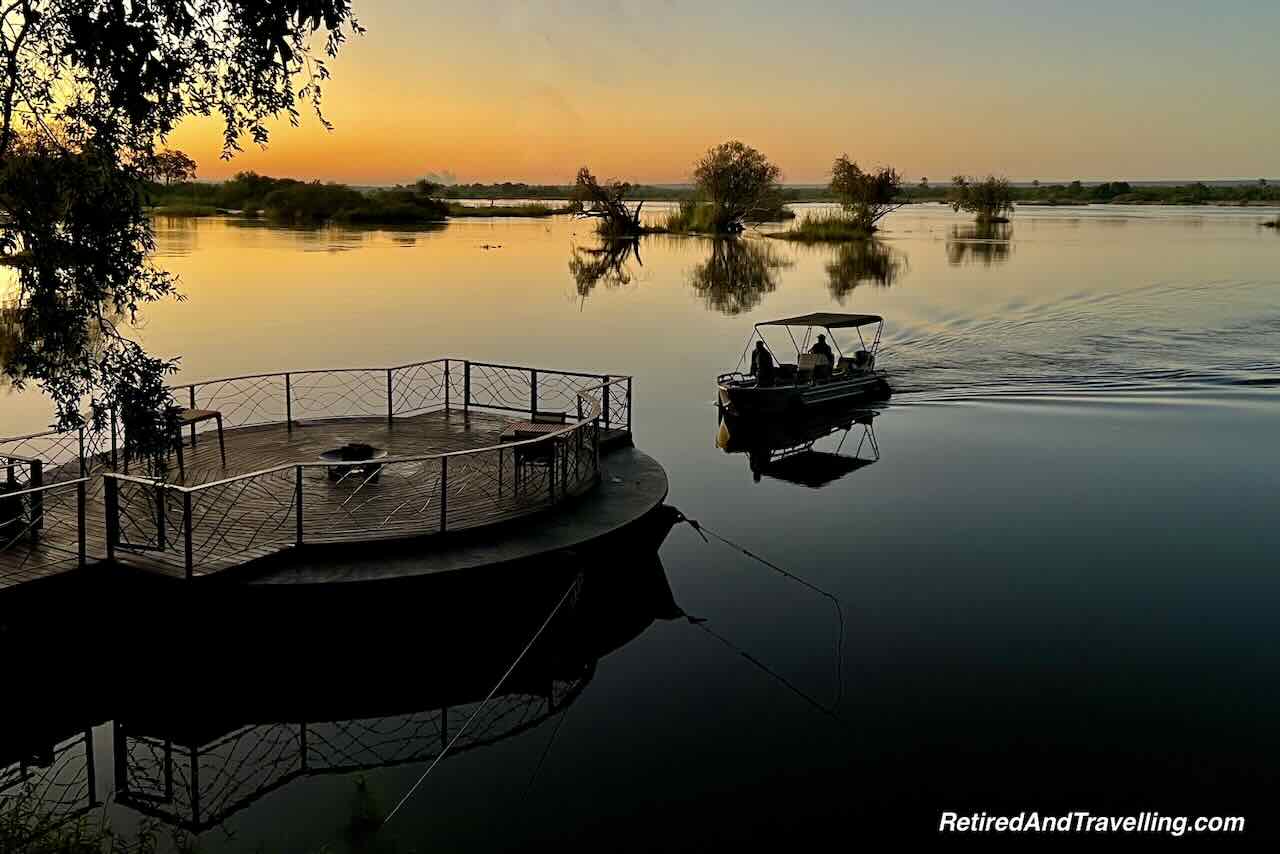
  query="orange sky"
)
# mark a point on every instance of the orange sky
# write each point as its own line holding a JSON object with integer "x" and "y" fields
{"x": 532, "y": 90}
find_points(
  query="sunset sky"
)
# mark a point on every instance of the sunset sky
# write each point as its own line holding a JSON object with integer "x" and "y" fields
{"x": 505, "y": 90}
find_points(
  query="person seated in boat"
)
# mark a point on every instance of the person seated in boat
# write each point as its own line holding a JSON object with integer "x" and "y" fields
{"x": 762, "y": 367}
{"x": 822, "y": 348}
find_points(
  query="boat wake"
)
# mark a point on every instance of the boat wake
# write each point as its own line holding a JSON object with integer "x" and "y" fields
{"x": 1160, "y": 340}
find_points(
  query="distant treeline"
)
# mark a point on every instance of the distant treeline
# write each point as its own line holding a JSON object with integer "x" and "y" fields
{"x": 1076, "y": 192}
{"x": 311, "y": 202}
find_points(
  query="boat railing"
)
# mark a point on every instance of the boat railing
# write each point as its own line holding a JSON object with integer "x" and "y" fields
{"x": 207, "y": 526}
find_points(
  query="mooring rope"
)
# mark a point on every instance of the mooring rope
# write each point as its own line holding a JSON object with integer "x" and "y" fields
{"x": 564, "y": 598}
{"x": 703, "y": 530}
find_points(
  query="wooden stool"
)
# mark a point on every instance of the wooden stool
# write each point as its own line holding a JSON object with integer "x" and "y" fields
{"x": 192, "y": 417}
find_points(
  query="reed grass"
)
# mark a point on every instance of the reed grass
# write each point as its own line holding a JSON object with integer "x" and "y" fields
{"x": 828, "y": 227}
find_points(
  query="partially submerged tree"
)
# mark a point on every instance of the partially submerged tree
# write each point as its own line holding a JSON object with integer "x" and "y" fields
{"x": 989, "y": 200}
{"x": 867, "y": 197}
{"x": 737, "y": 181}
{"x": 607, "y": 203}
{"x": 89, "y": 90}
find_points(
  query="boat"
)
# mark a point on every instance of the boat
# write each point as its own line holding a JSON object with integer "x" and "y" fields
{"x": 810, "y": 381}
{"x": 787, "y": 448}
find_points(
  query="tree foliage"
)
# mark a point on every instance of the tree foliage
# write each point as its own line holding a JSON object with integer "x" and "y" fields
{"x": 737, "y": 181}
{"x": 169, "y": 165}
{"x": 989, "y": 199}
{"x": 607, "y": 203}
{"x": 867, "y": 197}
{"x": 90, "y": 88}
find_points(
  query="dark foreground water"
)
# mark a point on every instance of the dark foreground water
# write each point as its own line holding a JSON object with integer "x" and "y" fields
{"x": 1055, "y": 588}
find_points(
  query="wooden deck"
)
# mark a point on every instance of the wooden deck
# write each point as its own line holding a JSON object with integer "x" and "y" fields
{"x": 241, "y": 521}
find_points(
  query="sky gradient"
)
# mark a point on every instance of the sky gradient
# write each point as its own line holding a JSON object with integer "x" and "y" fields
{"x": 505, "y": 90}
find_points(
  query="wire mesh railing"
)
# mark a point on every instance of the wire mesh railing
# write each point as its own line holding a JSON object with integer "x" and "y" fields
{"x": 200, "y": 786}
{"x": 42, "y": 530}
{"x": 210, "y": 526}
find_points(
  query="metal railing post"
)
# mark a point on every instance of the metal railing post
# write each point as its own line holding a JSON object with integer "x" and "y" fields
{"x": 446, "y": 385}
{"x": 604, "y": 388}
{"x": 111, "y": 499}
{"x": 390, "y": 403}
{"x": 162, "y": 536}
{"x": 288, "y": 402}
{"x": 533, "y": 392}
{"x": 628, "y": 424}
{"x": 114, "y": 461}
{"x": 466, "y": 385}
{"x": 186, "y": 533}
{"x": 551, "y": 472}
{"x": 192, "y": 397}
{"x": 297, "y": 497}
{"x": 81, "y": 539}
{"x": 444, "y": 493}
{"x": 83, "y": 466}
{"x": 35, "y": 481}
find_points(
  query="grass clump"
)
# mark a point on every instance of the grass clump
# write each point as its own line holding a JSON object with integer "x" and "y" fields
{"x": 184, "y": 209}
{"x": 829, "y": 227}
{"x": 533, "y": 210}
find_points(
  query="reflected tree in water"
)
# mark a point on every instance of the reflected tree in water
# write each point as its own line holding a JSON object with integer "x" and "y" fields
{"x": 863, "y": 262}
{"x": 737, "y": 275}
{"x": 608, "y": 264}
{"x": 984, "y": 243}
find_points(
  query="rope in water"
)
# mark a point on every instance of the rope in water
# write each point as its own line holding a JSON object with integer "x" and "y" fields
{"x": 703, "y": 530}
{"x": 564, "y": 598}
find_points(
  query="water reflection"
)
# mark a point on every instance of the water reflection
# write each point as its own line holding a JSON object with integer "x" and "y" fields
{"x": 294, "y": 698}
{"x": 737, "y": 275}
{"x": 607, "y": 264}
{"x": 863, "y": 262}
{"x": 809, "y": 449}
{"x": 984, "y": 243}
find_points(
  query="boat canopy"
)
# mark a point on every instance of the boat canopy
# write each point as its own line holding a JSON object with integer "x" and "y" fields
{"x": 827, "y": 319}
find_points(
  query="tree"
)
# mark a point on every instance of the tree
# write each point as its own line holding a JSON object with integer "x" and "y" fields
{"x": 607, "y": 203}
{"x": 736, "y": 181}
{"x": 867, "y": 197}
{"x": 737, "y": 275}
{"x": 89, "y": 90}
{"x": 169, "y": 165}
{"x": 989, "y": 200}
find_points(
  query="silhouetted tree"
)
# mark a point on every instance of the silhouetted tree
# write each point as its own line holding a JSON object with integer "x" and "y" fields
{"x": 607, "y": 203}
{"x": 88, "y": 92}
{"x": 169, "y": 165}
{"x": 736, "y": 181}
{"x": 867, "y": 197}
{"x": 989, "y": 200}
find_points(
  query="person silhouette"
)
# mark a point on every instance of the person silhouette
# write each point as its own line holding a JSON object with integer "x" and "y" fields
{"x": 762, "y": 366}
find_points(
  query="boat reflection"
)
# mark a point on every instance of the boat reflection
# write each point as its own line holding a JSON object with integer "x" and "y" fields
{"x": 811, "y": 449}
{"x": 330, "y": 686}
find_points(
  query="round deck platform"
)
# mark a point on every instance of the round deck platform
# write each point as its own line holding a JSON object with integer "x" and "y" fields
{"x": 633, "y": 487}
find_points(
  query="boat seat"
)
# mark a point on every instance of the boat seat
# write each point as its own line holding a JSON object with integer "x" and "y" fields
{"x": 811, "y": 365}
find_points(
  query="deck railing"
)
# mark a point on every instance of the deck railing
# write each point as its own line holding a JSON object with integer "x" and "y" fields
{"x": 42, "y": 526}
{"x": 212, "y": 525}
{"x": 300, "y": 396}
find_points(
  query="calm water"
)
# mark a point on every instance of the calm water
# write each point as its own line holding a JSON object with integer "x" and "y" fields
{"x": 1055, "y": 589}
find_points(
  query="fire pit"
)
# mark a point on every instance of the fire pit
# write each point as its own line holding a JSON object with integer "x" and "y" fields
{"x": 354, "y": 458}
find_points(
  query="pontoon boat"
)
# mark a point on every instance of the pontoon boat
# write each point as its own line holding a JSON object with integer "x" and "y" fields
{"x": 811, "y": 380}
